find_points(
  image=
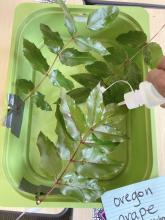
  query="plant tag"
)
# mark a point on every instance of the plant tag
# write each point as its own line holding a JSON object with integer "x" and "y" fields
{"x": 14, "y": 116}
{"x": 140, "y": 201}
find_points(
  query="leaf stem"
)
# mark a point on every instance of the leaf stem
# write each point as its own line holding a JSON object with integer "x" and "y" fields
{"x": 48, "y": 72}
{"x": 133, "y": 57}
{"x": 39, "y": 200}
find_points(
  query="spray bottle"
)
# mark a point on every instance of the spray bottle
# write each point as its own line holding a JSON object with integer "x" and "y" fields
{"x": 146, "y": 95}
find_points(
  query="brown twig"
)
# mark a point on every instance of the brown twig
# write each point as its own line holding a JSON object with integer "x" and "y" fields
{"x": 48, "y": 72}
{"x": 133, "y": 57}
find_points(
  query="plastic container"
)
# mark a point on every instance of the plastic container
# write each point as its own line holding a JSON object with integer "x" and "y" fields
{"x": 146, "y": 95}
{"x": 20, "y": 156}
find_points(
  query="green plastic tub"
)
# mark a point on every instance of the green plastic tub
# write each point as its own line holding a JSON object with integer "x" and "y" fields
{"x": 19, "y": 156}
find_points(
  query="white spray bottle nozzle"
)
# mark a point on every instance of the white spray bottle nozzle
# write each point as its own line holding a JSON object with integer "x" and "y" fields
{"x": 146, "y": 95}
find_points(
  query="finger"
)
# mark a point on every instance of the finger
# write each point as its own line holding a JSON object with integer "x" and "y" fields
{"x": 163, "y": 106}
{"x": 161, "y": 65}
{"x": 152, "y": 75}
{"x": 157, "y": 78}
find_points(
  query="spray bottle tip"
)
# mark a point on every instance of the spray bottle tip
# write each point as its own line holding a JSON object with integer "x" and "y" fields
{"x": 121, "y": 103}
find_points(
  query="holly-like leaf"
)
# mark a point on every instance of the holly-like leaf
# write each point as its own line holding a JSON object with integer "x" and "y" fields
{"x": 152, "y": 54}
{"x": 87, "y": 44}
{"x": 35, "y": 57}
{"x": 24, "y": 85}
{"x": 99, "y": 171}
{"x": 132, "y": 38}
{"x": 104, "y": 143}
{"x": 102, "y": 17}
{"x": 68, "y": 18}
{"x": 87, "y": 80}
{"x": 99, "y": 69}
{"x": 80, "y": 95}
{"x": 65, "y": 144}
{"x": 50, "y": 162}
{"x": 39, "y": 100}
{"x": 133, "y": 75}
{"x": 96, "y": 154}
{"x": 116, "y": 138}
{"x": 73, "y": 116}
{"x": 95, "y": 106}
{"x": 117, "y": 55}
{"x": 115, "y": 94}
{"x": 51, "y": 39}
{"x": 58, "y": 79}
{"x": 87, "y": 143}
{"x": 73, "y": 57}
{"x": 88, "y": 190}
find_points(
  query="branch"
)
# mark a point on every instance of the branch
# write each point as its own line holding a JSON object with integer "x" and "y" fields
{"x": 133, "y": 57}
{"x": 47, "y": 74}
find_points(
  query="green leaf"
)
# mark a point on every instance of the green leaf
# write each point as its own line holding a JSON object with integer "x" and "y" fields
{"x": 95, "y": 106}
{"x": 58, "y": 79}
{"x": 73, "y": 117}
{"x": 132, "y": 38}
{"x": 50, "y": 162}
{"x": 24, "y": 85}
{"x": 69, "y": 21}
{"x": 73, "y": 57}
{"x": 80, "y": 95}
{"x": 64, "y": 143}
{"x": 115, "y": 94}
{"x": 85, "y": 79}
{"x": 72, "y": 192}
{"x": 102, "y": 17}
{"x": 133, "y": 75}
{"x": 96, "y": 154}
{"x": 117, "y": 55}
{"x": 99, "y": 171}
{"x": 116, "y": 138}
{"x": 51, "y": 39}
{"x": 90, "y": 190}
{"x": 104, "y": 143}
{"x": 35, "y": 57}
{"x": 39, "y": 100}
{"x": 88, "y": 44}
{"x": 99, "y": 69}
{"x": 152, "y": 54}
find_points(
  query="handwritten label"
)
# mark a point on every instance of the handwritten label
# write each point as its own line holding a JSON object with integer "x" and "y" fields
{"x": 140, "y": 201}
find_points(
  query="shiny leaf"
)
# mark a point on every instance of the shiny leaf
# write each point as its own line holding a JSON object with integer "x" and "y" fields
{"x": 117, "y": 55}
{"x": 133, "y": 75}
{"x": 50, "y": 162}
{"x": 94, "y": 106}
{"x": 132, "y": 38}
{"x": 80, "y": 95}
{"x": 58, "y": 79}
{"x": 102, "y": 17}
{"x": 96, "y": 154}
{"x": 39, "y": 100}
{"x": 99, "y": 171}
{"x": 85, "y": 79}
{"x": 116, "y": 138}
{"x": 152, "y": 54}
{"x": 99, "y": 69}
{"x": 51, "y": 39}
{"x": 24, "y": 85}
{"x": 73, "y": 57}
{"x": 88, "y": 44}
{"x": 35, "y": 57}
{"x": 64, "y": 143}
{"x": 73, "y": 116}
{"x": 68, "y": 18}
{"x": 89, "y": 189}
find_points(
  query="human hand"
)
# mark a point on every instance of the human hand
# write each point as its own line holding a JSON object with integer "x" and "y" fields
{"x": 157, "y": 78}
